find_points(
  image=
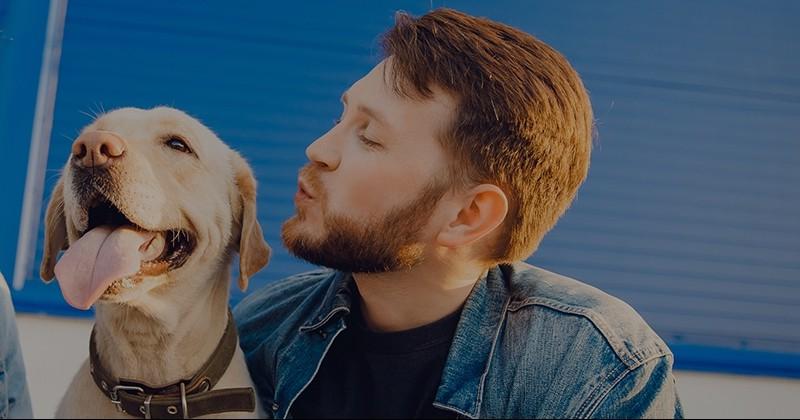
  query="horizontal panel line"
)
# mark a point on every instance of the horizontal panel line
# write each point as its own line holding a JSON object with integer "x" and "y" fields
{"x": 694, "y": 87}
{"x": 666, "y": 285}
{"x": 205, "y": 33}
{"x": 563, "y": 263}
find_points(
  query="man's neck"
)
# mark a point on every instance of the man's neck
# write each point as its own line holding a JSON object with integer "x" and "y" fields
{"x": 398, "y": 301}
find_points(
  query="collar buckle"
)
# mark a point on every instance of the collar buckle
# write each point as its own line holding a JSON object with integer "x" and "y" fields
{"x": 184, "y": 406}
{"x": 114, "y": 394}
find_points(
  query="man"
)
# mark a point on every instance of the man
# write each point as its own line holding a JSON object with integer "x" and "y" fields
{"x": 14, "y": 399}
{"x": 451, "y": 160}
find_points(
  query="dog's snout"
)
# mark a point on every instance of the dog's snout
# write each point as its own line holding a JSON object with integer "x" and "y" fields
{"x": 96, "y": 149}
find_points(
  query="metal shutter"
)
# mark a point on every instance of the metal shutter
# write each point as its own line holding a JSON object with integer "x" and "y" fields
{"x": 690, "y": 213}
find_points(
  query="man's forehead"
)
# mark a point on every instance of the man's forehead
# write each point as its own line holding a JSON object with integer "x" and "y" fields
{"x": 373, "y": 83}
{"x": 375, "y": 91}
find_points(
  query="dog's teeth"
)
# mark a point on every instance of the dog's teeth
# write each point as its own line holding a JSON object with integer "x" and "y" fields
{"x": 153, "y": 248}
{"x": 127, "y": 282}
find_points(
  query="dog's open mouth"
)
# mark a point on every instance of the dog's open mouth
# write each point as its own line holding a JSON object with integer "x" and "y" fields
{"x": 115, "y": 254}
{"x": 176, "y": 245}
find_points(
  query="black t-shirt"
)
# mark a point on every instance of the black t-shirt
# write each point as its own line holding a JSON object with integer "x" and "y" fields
{"x": 367, "y": 374}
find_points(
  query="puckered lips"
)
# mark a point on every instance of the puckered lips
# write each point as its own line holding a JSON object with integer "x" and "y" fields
{"x": 113, "y": 253}
{"x": 304, "y": 193}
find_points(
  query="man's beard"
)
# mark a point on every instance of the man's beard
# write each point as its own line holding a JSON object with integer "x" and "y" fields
{"x": 373, "y": 246}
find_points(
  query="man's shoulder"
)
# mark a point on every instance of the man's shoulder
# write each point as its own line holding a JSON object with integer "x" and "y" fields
{"x": 571, "y": 305}
{"x": 286, "y": 300}
{"x": 286, "y": 291}
{"x": 288, "y": 287}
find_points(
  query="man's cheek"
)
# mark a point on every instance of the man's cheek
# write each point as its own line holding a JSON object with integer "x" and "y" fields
{"x": 364, "y": 198}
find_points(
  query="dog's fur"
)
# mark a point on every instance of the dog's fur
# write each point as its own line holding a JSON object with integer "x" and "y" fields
{"x": 166, "y": 326}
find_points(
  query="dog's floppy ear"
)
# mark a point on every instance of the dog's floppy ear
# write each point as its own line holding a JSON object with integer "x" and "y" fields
{"x": 254, "y": 252}
{"x": 55, "y": 232}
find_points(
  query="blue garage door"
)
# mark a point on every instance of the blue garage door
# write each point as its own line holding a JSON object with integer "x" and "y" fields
{"x": 691, "y": 209}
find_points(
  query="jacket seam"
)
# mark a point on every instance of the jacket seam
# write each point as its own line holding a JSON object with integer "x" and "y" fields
{"x": 310, "y": 328}
{"x": 479, "y": 397}
{"x": 631, "y": 359}
{"x": 278, "y": 288}
{"x": 455, "y": 409}
{"x": 316, "y": 370}
{"x": 594, "y": 405}
{"x": 601, "y": 392}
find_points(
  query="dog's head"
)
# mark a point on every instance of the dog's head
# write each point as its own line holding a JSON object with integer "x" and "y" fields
{"x": 148, "y": 198}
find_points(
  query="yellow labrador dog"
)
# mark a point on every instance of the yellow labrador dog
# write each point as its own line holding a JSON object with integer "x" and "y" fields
{"x": 151, "y": 208}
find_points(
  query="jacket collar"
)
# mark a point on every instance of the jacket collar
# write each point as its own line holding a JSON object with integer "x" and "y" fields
{"x": 467, "y": 365}
{"x": 461, "y": 388}
{"x": 337, "y": 301}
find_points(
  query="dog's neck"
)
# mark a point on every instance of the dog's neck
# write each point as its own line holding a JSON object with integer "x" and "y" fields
{"x": 167, "y": 337}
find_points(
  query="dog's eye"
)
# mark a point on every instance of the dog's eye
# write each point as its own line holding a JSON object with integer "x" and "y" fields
{"x": 178, "y": 144}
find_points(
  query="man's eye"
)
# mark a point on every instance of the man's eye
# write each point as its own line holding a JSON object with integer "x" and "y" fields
{"x": 178, "y": 144}
{"x": 369, "y": 143}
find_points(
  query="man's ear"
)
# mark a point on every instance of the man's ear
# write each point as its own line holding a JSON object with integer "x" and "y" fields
{"x": 55, "y": 232}
{"x": 476, "y": 213}
{"x": 254, "y": 252}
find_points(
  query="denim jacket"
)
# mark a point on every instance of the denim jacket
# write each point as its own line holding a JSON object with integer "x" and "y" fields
{"x": 530, "y": 343}
{"x": 15, "y": 401}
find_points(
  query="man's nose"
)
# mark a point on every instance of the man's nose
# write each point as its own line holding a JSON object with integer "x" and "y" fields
{"x": 324, "y": 151}
{"x": 97, "y": 149}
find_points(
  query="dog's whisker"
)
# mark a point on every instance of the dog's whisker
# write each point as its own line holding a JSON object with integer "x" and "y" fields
{"x": 53, "y": 176}
{"x": 95, "y": 110}
{"x": 68, "y": 137}
{"x": 88, "y": 114}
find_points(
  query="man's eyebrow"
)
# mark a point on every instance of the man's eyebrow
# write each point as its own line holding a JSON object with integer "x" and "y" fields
{"x": 373, "y": 114}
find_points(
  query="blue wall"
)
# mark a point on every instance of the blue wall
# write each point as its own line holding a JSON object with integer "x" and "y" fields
{"x": 22, "y": 33}
{"x": 690, "y": 210}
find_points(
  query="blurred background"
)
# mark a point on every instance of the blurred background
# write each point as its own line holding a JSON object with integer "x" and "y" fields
{"x": 691, "y": 212}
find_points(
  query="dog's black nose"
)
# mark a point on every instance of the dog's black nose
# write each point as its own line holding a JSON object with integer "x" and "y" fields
{"x": 97, "y": 149}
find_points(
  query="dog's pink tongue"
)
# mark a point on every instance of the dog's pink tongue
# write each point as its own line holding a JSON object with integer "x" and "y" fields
{"x": 101, "y": 256}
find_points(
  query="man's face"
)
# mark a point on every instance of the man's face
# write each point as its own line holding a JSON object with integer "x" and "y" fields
{"x": 374, "y": 180}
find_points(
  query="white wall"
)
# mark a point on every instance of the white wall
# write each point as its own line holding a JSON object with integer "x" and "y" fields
{"x": 55, "y": 347}
{"x": 710, "y": 396}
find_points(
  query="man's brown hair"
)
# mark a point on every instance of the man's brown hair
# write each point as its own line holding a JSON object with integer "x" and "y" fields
{"x": 523, "y": 120}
